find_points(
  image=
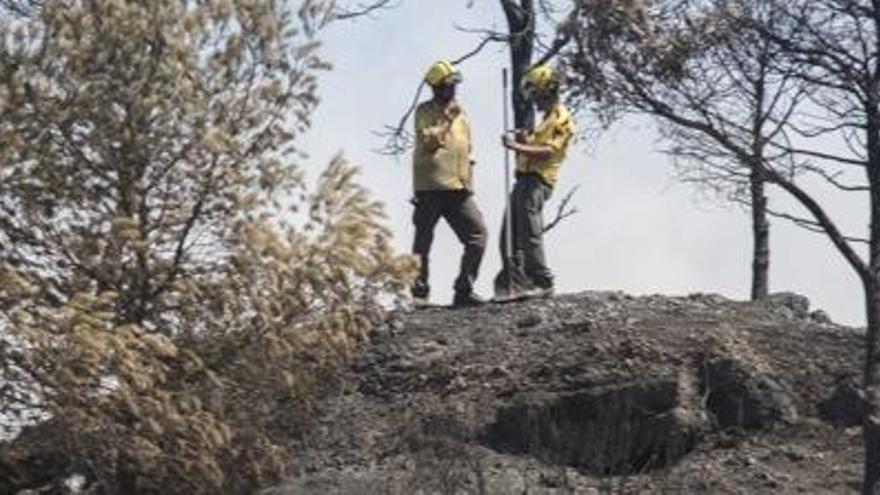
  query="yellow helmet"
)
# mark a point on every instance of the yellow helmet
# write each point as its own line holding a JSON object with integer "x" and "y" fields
{"x": 442, "y": 72}
{"x": 541, "y": 78}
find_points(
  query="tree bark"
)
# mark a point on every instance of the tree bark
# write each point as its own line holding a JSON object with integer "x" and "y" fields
{"x": 871, "y": 283}
{"x": 871, "y": 431}
{"x": 760, "y": 238}
{"x": 521, "y": 26}
{"x": 521, "y": 60}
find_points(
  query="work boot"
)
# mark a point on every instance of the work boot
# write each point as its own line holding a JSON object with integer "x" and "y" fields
{"x": 510, "y": 285}
{"x": 517, "y": 291}
{"x": 420, "y": 294}
{"x": 506, "y": 294}
{"x": 538, "y": 292}
{"x": 421, "y": 302}
{"x": 466, "y": 299}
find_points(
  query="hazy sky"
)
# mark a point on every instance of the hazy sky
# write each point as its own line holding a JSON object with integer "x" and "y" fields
{"x": 637, "y": 230}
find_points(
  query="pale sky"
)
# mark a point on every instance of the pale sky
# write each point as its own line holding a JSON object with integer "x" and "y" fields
{"x": 637, "y": 230}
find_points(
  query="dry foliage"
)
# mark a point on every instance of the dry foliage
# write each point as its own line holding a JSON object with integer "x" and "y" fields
{"x": 167, "y": 285}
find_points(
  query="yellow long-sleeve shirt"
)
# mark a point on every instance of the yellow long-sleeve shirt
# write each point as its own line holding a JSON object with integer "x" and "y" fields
{"x": 556, "y": 131}
{"x": 442, "y": 155}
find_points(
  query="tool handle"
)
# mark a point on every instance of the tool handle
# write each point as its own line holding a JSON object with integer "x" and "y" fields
{"x": 508, "y": 215}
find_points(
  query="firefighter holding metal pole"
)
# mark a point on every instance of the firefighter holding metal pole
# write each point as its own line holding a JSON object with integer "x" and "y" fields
{"x": 539, "y": 156}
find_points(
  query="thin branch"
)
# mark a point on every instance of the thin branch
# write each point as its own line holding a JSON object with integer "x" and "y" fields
{"x": 362, "y": 10}
{"x": 558, "y": 44}
{"x": 818, "y": 154}
{"x": 481, "y": 31}
{"x": 823, "y": 221}
{"x": 812, "y": 225}
{"x": 563, "y": 37}
{"x": 833, "y": 179}
{"x": 564, "y": 211}
{"x": 489, "y": 36}
{"x": 485, "y": 41}
{"x": 398, "y": 139}
{"x": 548, "y": 9}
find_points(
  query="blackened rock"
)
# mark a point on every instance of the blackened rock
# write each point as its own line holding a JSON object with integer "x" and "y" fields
{"x": 798, "y": 304}
{"x": 846, "y": 406}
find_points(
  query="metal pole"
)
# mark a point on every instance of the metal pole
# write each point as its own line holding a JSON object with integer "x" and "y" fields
{"x": 508, "y": 217}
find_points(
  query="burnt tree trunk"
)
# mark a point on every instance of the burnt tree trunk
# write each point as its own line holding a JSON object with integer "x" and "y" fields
{"x": 871, "y": 282}
{"x": 760, "y": 238}
{"x": 521, "y": 26}
{"x": 871, "y": 433}
{"x": 760, "y": 225}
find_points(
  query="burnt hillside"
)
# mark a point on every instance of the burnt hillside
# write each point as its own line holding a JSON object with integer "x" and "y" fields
{"x": 594, "y": 393}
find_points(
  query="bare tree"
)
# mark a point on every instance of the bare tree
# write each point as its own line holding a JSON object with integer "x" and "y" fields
{"x": 753, "y": 99}
{"x": 829, "y": 52}
{"x": 836, "y": 46}
{"x": 697, "y": 70}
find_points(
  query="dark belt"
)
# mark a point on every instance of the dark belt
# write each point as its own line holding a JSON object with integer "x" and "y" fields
{"x": 536, "y": 175}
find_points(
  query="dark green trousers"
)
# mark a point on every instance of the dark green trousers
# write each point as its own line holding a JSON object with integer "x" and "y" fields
{"x": 526, "y": 266}
{"x": 461, "y": 213}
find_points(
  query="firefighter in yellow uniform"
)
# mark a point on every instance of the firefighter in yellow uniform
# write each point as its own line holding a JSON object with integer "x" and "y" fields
{"x": 443, "y": 184}
{"x": 540, "y": 154}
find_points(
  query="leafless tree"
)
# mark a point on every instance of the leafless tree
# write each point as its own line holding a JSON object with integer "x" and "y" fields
{"x": 835, "y": 44}
{"x": 702, "y": 75}
{"x": 827, "y": 53}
